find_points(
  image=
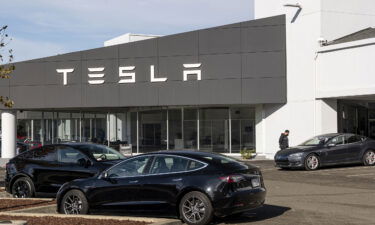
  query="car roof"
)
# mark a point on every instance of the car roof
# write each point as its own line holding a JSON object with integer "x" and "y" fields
{"x": 187, "y": 153}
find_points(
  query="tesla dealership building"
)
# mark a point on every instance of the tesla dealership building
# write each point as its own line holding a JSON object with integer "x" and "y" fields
{"x": 305, "y": 67}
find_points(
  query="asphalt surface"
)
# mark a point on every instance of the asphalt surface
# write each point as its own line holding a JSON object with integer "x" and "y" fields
{"x": 329, "y": 196}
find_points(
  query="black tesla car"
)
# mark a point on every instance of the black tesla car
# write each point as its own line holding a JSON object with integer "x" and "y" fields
{"x": 43, "y": 170}
{"x": 328, "y": 149}
{"x": 195, "y": 185}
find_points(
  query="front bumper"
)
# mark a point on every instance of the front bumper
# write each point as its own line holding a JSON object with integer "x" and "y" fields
{"x": 240, "y": 201}
{"x": 286, "y": 163}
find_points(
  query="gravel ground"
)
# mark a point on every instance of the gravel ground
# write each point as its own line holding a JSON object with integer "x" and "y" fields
{"x": 69, "y": 221}
{"x": 9, "y": 204}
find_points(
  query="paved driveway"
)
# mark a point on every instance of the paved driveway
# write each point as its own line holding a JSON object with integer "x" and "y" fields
{"x": 330, "y": 196}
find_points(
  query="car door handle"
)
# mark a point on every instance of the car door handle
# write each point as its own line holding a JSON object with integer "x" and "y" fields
{"x": 133, "y": 181}
{"x": 177, "y": 179}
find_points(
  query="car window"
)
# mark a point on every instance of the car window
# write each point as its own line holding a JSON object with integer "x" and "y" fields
{"x": 46, "y": 153}
{"x": 130, "y": 168}
{"x": 193, "y": 165}
{"x": 69, "y": 155}
{"x": 353, "y": 139}
{"x": 166, "y": 164}
{"x": 338, "y": 140}
{"x": 172, "y": 164}
{"x": 101, "y": 152}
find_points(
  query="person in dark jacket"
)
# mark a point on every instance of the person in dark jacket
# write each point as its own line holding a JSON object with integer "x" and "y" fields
{"x": 283, "y": 140}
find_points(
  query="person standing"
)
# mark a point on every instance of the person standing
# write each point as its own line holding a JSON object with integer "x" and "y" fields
{"x": 284, "y": 140}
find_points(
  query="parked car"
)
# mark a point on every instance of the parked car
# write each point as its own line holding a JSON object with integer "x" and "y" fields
{"x": 42, "y": 171}
{"x": 328, "y": 149}
{"x": 195, "y": 185}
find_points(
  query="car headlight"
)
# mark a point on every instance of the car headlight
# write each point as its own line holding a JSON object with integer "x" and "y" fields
{"x": 295, "y": 156}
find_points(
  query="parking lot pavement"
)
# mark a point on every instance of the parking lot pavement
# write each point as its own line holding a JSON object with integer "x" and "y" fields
{"x": 329, "y": 196}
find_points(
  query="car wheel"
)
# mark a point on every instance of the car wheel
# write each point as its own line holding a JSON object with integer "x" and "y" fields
{"x": 74, "y": 202}
{"x": 23, "y": 188}
{"x": 312, "y": 162}
{"x": 369, "y": 158}
{"x": 196, "y": 208}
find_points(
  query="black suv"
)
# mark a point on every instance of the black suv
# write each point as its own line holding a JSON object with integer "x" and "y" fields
{"x": 43, "y": 170}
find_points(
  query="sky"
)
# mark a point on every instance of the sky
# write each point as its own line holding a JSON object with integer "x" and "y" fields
{"x": 41, "y": 28}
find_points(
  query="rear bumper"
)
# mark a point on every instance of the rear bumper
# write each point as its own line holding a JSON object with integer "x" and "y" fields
{"x": 240, "y": 201}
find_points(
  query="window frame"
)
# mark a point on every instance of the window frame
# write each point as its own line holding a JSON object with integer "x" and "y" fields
{"x": 153, "y": 157}
{"x": 59, "y": 147}
{"x": 360, "y": 139}
{"x": 344, "y": 141}
{"x": 38, "y": 159}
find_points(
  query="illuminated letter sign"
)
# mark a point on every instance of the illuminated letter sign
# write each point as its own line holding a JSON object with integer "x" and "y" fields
{"x": 128, "y": 72}
{"x": 65, "y": 74}
{"x": 152, "y": 75}
{"x": 196, "y": 71}
{"x": 96, "y": 75}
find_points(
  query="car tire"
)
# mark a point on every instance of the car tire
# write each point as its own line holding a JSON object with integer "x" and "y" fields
{"x": 312, "y": 162}
{"x": 74, "y": 202}
{"x": 196, "y": 209}
{"x": 23, "y": 187}
{"x": 368, "y": 158}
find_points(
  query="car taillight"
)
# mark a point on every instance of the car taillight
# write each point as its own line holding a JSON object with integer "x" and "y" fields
{"x": 232, "y": 178}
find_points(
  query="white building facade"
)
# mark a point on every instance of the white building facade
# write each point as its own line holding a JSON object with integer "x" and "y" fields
{"x": 318, "y": 76}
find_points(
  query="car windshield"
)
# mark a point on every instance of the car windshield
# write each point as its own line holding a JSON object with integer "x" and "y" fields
{"x": 318, "y": 140}
{"x": 101, "y": 152}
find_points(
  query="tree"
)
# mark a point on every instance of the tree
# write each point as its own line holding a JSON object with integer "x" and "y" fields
{"x": 6, "y": 66}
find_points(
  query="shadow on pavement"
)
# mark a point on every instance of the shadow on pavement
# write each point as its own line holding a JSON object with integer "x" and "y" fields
{"x": 354, "y": 165}
{"x": 263, "y": 213}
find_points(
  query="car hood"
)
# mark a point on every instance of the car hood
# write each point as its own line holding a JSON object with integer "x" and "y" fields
{"x": 296, "y": 149}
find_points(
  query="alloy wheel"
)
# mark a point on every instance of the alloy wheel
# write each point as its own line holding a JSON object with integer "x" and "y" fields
{"x": 193, "y": 210}
{"x": 73, "y": 204}
{"x": 370, "y": 158}
{"x": 312, "y": 162}
{"x": 21, "y": 189}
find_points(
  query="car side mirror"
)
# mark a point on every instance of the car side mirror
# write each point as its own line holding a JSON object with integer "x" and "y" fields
{"x": 104, "y": 175}
{"x": 331, "y": 145}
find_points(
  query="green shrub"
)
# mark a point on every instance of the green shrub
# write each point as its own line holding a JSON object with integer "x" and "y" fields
{"x": 247, "y": 153}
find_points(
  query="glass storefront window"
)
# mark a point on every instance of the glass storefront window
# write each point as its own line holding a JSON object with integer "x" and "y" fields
{"x": 243, "y": 129}
{"x": 214, "y": 130}
{"x": 153, "y": 130}
{"x": 133, "y": 131}
{"x": 214, "y": 126}
{"x": 175, "y": 129}
{"x": 190, "y": 128}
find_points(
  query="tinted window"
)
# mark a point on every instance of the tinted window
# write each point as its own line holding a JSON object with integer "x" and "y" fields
{"x": 100, "y": 152}
{"x": 46, "y": 153}
{"x": 129, "y": 168}
{"x": 353, "y": 139}
{"x": 172, "y": 164}
{"x": 28, "y": 154}
{"x": 69, "y": 155}
{"x": 193, "y": 165}
{"x": 339, "y": 140}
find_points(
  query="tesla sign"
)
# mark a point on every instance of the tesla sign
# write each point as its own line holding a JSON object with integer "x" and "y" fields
{"x": 96, "y": 75}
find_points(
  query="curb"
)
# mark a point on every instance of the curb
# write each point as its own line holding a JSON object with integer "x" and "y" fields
{"x": 153, "y": 221}
{"x": 13, "y": 222}
{"x": 31, "y": 199}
